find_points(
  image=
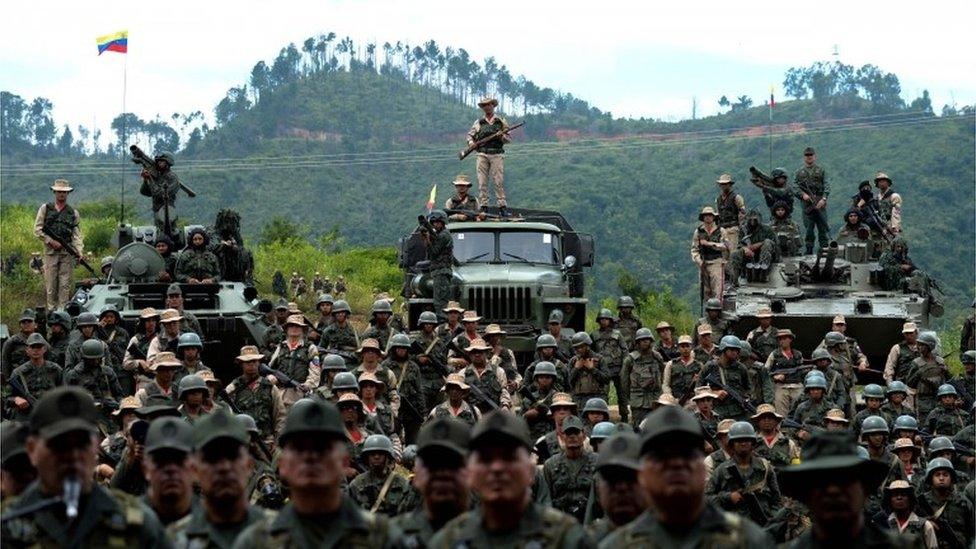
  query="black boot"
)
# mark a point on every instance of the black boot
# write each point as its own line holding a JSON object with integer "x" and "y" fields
{"x": 502, "y": 211}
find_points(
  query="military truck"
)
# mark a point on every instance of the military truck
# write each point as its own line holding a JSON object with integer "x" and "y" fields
{"x": 806, "y": 292}
{"x": 226, "y": 310}
{"x": 512, "y": 270}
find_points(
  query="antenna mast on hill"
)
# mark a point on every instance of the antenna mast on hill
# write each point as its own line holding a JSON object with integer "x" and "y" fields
{"x": 836, "y": 52}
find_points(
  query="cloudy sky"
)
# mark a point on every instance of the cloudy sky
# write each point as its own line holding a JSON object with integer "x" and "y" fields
{"x": 631, "y": 58}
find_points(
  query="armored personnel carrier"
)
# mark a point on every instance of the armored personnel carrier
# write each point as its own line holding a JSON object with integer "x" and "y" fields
{"x": 806, "y": 292}
{"x": 513, "y": 271}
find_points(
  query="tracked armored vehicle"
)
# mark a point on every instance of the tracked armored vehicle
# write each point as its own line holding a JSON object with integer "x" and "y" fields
{"x": 513, "y": 271}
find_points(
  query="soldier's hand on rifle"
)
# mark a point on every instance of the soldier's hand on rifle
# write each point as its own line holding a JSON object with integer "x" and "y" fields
{"x": 272, "y": 379}
{"x": 21, "y": 403}
{"x": 805, "y": 197}
{"x": 736, "y": 497}
{"x": 722, "y": 394}
{"x": 54, "y": 245}
{"x": 821, "y": 204}
{"x": 779, "y": 377}
{"x": 104, "y": 471}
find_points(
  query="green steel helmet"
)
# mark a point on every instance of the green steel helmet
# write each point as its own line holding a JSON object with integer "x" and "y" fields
{"x": 729, "y": 342}
{"x": 109, "y": 309}
{"x": 896, "y": 387}
{"x": 596, "y": 404}
{"x": 941, "y": 444}
{"x": 581, "y": 338}
{"x": 400, "y": 340}
{"x": 555, "y": 317}
{"x": 191, "y": 382}
{"x": 544, "y": 368}
{"x": 745, "y": 347}
{"x": 86, "y": 319}
{"x": 742, "y": 430}
{"x": 409, "y": 456}
{"x": 325, "y": 298}
{"x": 427, "y": 317}
{"x": 605, "y": 313}
{"x": 713, "y": 304}
{"x": 625, "y": 301}
{"x": 381, "y": 306}
{"x": 545, "y": 340}
{"x": 61, "y": 318}
{"x": 341, "y": 306}
{"x": 938, "y": 464}
{"x": 820, "y": 354}
{"x": 334, "y": 362}
{"x": 969, "y": 357}
{"x": 167, "y": 156}
{"x": 106, "y": 262}
{"x": 643, "y": 333}
{"x": 873, "y": 390}
{"x": 36, "y": 339}
{"x": 92, "y": 348}
{"x": 378, "y": 443}
{"x": 778, "y": 172}
{"x": 437, "y": 215}
{"x": 874, "y": 424}
{"x": 815, "y": 380}
{"x": 947, "y": 389}
{"x": 189, "y": 339}
{"x": 249, "y": 425}
{"x": 834, "y": 338}
{"x": 928, "y": 339}
{"x": 906, "y": 423}
{"x": 603, "y": 430}
{"x": 345, "y": 380}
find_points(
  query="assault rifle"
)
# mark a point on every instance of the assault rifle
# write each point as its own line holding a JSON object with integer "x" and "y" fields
{"x": 472, "y": 147}
{"x": 66, "y": 246}
{"x": 482, "y": 396}
{"x": 222, "y": 394}
{"x": 20, "y": 389}
{"x": 756, "y": 511}
{"x": 149, "y": 165}
{"x": 749, "y": 407}
{"x": 282, "y": 377}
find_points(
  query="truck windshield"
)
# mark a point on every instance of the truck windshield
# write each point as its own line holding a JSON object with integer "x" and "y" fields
{"x": 474, "y": 246}
{"x": 530, "y": 247}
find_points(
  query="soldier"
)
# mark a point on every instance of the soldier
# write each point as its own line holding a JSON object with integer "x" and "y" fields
{"x": 612, "y": 347}
{"x": 263, "y": 486}
{"x": 371, "y": 353}
{"x": 257, "y": 397}
{"x": 561, "y": 407}
{"x": 371, "y": 389}
{"x": 900, "y": 501}
{"x": 569, "y": 474}
{"x": 897, "y": 393}
{"x": 318, "y": 283}
{"x": 901, "y": 274}
{"x": 63, "y": 221}
{"x": 502, "y": 357}
{"x": 588, "y": 374}
{"x": 617, "y": 492}
{"x": 16, "y": 470}
{"x": 562, "y": 334}
{"x": 66, "y": 507}
{"x": 546, "y": 349}
{"x": 945, "y": 419}
{"x": 721, "y": 454}
{"x": 59, "y": 326}
{"x": 750, "y": 489}
{"x": 319, "y": 513}
{"x": 834, "y": 420}
{"x": 293, "y": 282}
{"x": 773, "y": 446}
{"x": 889, "y": 203}
{"x": 716, "y": 318}
{"x": 36, "y": 376}
{"x": 135, "y": 360}
{"x": 379, "y": 323}
{"x": 813, "y": 190}
{"x": 873, "y": 398}
{"x": 874, "y": 434}
{"x": 163, "y": 185}
{"x": 341, "y": 336}
{"x": 380, "y": 489}
{"x": 785, "y": 365}
{"x": 854, "y": 229}
{"x": 165, "y": 463}
{"x": 707, "y": 251}
{"x": 704, "y": 402}
{"x": 298, "y": 359}
{"x": 413, "y": 397}
{"x": 595, "y": 411}
{"x": 354, "y": 423}
{"x": 440, "y": 252}
{"x": 197, "y": 264}
{"x": 174, "y": 300}
{"x": 965, "y": 382}
{"x": 811, "y": 412}
{"x": 907, "y": 467}
{"x": 727, "y": 370}
{"x": 537, "y": 398}
{"x": 324, "y": 307}
{"x": 452, "y": 321}
{"x": 302, "y": 287}
{"x": 86, "y": 330}
{"x": 853, "y": 350}
{"x": 927, "y": 373}
{"x": 168, "y": 339}
{"x": 947, "y": 507}
{"x": 672, "y": 474}
{"x": 778, "y": 193}
{"x": 764, "y": 338}
{"x": 430, "y": 360}
{"x": 463, "y": 201}
{"x": 115, "y": 338}
{"x": 731, "y": 210}
{"x": 641, "y": 375}
{"x": 786, "y": 231}
{"x": 626, "y": 323}
{"x": 161, "y": 390}
{"x": 681, "y": 375}
{"x": 235, "y": 261}
{"x": 490, "y": 155}
{"x": 166, "y": 249}
{"x": 456, "y": 405}
{"x": 901, "y": 355}
{"x": 759, "y": 378}
{"x": 188, "y": 349}
{"x": 501, "y": 473}
{"x": 757, "y": 245}
{"x": 667, "y": 345}
{"x": 98, "y": 379}
{"x": 192, "y": 393}
{"x": 490, "y": 379}
{"x": 834, "y": 482}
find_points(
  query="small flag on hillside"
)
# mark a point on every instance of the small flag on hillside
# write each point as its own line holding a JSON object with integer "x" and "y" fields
{"x": 117, "y": 42}
{"x": 432, "y": 198}
{"x": 772, "y": 101}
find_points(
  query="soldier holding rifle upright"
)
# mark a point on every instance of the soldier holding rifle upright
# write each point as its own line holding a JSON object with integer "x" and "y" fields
{"x": 57, "y": 223}
{"x": 491, "y": 155}
{"x": 811, "y": 184}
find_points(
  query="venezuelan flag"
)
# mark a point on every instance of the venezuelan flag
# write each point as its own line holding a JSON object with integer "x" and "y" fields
{"x": 117, "y": 42}
{"x": 432, "y": 198}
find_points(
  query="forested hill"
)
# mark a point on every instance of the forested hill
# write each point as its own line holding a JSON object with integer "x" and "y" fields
{"x": 358, "y": 147}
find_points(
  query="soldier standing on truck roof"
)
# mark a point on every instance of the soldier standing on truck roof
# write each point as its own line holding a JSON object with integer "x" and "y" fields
{"x": 440, "y": 252}
{"x": 491, "y": 155}
{"x": 63, "y": 220}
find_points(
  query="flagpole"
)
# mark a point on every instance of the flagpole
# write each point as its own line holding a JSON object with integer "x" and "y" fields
{"x": 770, "y": 128}
{"x": 125, "y": 66}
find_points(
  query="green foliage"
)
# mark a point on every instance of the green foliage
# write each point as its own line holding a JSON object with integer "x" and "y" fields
{"x": 281, "y": 231}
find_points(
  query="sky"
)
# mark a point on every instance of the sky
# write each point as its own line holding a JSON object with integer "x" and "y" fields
{"x": 636, "y": 59}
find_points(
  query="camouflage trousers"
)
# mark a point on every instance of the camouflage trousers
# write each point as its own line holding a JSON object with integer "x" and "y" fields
{"x": 738, "y": 259}
{"x": 493, "y": 166}
{"x": 623, "y": 399}
{"x": 818, "y": 222}
{"x": 712, "y": 275}
{"x": 58, "y": 278}
{"x": 441, "y": 280}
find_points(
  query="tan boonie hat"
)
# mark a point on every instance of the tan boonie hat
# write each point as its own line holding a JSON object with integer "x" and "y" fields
{"x": 707, "y": 210}
{"x": 478, "y": 344}
{"x": 724, "y": 426}
{"x": 296, "y": 320}
{"x": 453, "y": 307}
{"x": 148, "y": 312}
{"x": 725, "y": 178}
{"x": 904, "y": 443}
{"x": 207, "y": 376}
{"x": 765, "y": 312}
{"x": 385, "y": 296}
{"x": 462, "y": 180}
{"x": 685, "y": 339}
{"x": 61, "y": 185}
{"x": 293, "y": 308}
{"x": 881, "y": 175}
{"x": 164, "y": 359}
{"x": 703, "y": 392}
{"x": 370, "y": 377}
{"x": 705, "y": 329}
{"x": 486, "y": 100}
{"x": 249, "y": 353}
{"x": 766, "y": 409}
{"x": 785, "y": 332}
{"x": 370, "y": 343}
{"x": 836, "y": 415}
{"x": 666, "y": 400}
{"x": 909, "y": 328}
{"x": 456, "y": 380}
{"x": 350, "y": 398}
{"x": 470, "y": 316}
{"x": 127, "y": 403}
{"x": 494, "y": 329}
{"x": 562, "y": 399}
{"x": 839, "y": 319}
{"x": 663, "y": 325}
{"x": 170, "y": 315}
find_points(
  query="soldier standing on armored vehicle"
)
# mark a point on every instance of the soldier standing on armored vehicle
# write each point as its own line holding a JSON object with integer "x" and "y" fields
{"x": 813, "y": 189}
{"x": 731, "y": 210}
{"x": 707, "y": 251}
{"x": 160, "y": 183}
{"x": 776, "y": 191}
{"x": 61, "y": 220}
{"x": 491, "y": 155}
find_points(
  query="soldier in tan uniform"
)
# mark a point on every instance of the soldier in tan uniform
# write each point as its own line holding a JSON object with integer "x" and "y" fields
{"x": 491, "y": 155}
{"x": 730, "y": 208}
{"x": 64, "y": 221}
{"x": 707, "y": 251}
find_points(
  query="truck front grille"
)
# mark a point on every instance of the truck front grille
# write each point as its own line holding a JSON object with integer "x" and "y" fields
{"x": 501, "y": 305}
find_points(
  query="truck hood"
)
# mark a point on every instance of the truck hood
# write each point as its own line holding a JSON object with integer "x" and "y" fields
{"x": 508, "y": 274}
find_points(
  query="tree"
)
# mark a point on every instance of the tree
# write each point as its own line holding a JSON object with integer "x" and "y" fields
{"x": 127, "y": 128}
{"x": 724, "y": 101}
{"x": 40, "y": 122}
{"x": 12, "y": 124}
{"x": 742, "y": 103}
{"x": 65, "y": 145}
{"x": 281, "y": 230}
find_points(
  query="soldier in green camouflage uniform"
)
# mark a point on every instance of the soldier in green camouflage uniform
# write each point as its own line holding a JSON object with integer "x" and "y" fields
{"x": 536, "y": 399}
{"x": 763, "y": 338}
{"x": 777, "y": 193}
{"x": 759, "y": 378}
{"x": 616, "y": 490}
{"x": 561, "y": 407}
{"x": 588, "y": 373}
{"x": 456, "y": 405}
{"x": 86, "y": 329}
{"x": 704, "y": 402}
{"x": 37, "y": 376}
{"x": 928, "y": 372}
{"x": 681, "y": 374}
{"x": 895, "y": 406}
{"x": 116, "y": 338}
{"x": 433, "y": 353}
{"x": 463, "y": 200}
{"x": 545, "y": 351}
{"x": 98, "y": 380}
{"x": 440, "y": 253}
{"x": 750, "y": 489}
{"x": 757, "y": 245}
{"x": 341, "y": 336}
{"x": 641, "y": 375}
{"x": 626, "y": 323}
{"x": 786, "y": 231}
{"x": 490, "y": 379}
{"x": 773, "y": 445}
{"x": 174, "y": 300}
{"x": 811, "y": 412}
{"x": 379, "y": 323}
{"x": 946, "y": 419}
{"x": 59, "y": 325}
{"x": 719, "y": 322}
{"x": 562, "y": 334}
{"x": 263, "y": 487}
{"x": 732, "y": 374}
{"x": 380, "y": 489}
{"x": 197, "y": 264}
{"x": 951, "y": 511}
{"x": 255, "y": 396}
{"x": 569, "y": 474}
{"x": 811, "y": 186}
{"x": 161, "y": 391}
{"x": 612, "y": 348}
{"x": 413, "y": 395}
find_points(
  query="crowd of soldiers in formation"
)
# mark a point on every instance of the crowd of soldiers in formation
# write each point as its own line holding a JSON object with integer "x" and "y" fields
{"x": 298, "y": 286}
{"x": 756, "y": 405}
